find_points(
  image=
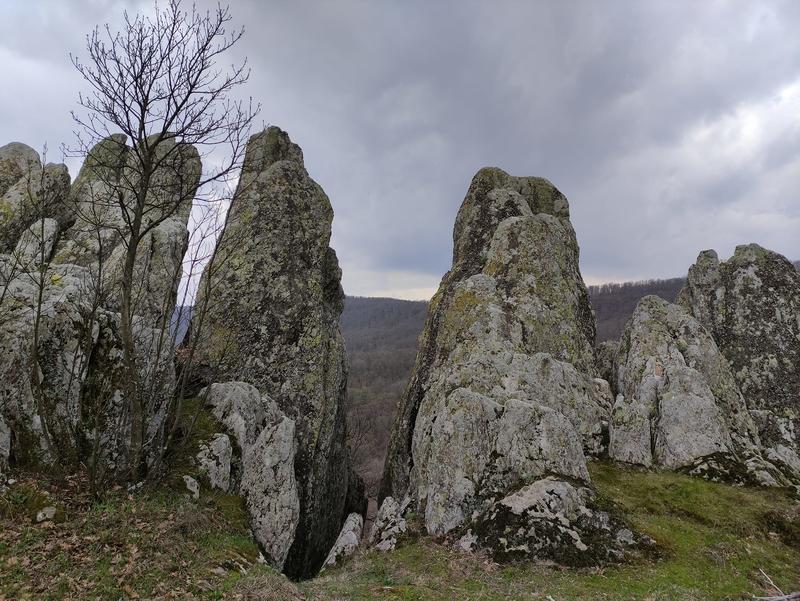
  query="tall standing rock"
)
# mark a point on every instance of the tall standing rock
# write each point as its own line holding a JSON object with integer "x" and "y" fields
{"x": 491, "y": 434}
{"x": 274, "y": 298}
{"x": 751, "y": 306}
{"x": 493, "y": 197}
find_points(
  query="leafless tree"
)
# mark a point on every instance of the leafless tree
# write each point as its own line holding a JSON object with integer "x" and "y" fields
{"x": 157, "y": 81}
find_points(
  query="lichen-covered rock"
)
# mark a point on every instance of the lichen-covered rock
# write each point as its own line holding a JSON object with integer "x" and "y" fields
{"x": 536, "y": 213}
{"x": 63, "y": 379}
{"x": 348, "y": 540}
{"x": 61, "y": 372}
{"x": 16, "y": 160}
{"x": 29, "y": 192}
{"x": 192, "y": 486}
{"x": 270, "y": 490}
{"x": 550, "y": 519}
{"x": 273, "y": 299}
{"x": 214, "y": 461}
{"x": 36, "y": 245}
{"x": 504, "y": 392}
{"x": 238, "y": 407}
{"x": 606, "y": 356}
{"x": 678, "y": 401}
{"x": 96, "y": 240}
{"x": 266, "y": 446}
{"x": 751, "y": 306}
{"x": 390, "y": 522}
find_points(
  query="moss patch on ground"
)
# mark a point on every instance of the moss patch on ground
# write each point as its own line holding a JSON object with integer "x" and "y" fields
{"x": 715, "y": 540}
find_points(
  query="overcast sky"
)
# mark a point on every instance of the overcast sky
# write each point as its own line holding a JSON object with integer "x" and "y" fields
{"x": 671, "y": 126}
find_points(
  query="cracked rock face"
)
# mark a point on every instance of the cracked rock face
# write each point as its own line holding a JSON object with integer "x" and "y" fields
{"x": 273, "y": 321}
{"x": 504, "y": 393}
{"x": 265, "y": 443}
{"x": 679, "y": 406}
{"x": 751, "y": 306}
{"x": 214, "y": 461}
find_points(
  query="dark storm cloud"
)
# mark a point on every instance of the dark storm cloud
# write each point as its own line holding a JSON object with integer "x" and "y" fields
{"x": 671, "y": 126}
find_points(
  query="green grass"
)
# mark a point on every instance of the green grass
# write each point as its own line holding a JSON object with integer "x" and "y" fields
{"x": 714, "y": 539}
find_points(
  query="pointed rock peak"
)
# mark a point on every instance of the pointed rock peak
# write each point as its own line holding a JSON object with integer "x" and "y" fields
{"x": 708, "y": 257}
{"x": 539, "y": 193}
{"x": 16, "y": 160}
{"x": 751, "y": 253}
{"x": 268, "y": 147}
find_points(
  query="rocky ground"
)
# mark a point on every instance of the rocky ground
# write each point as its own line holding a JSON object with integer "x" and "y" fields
{"x": 713, "y": 540}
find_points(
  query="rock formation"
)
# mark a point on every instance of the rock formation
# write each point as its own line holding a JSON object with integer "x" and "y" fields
{"x": 267, "y": 314}
{"x": 265, "y": 443}
{"x": 61, "y": 365}
{"x": 348, "y": 541}
{"x": 679, "y": 406}
{"x": 751, "y": 306}
{"x": 503, "y": 403}
{"x": 29, "y": 191}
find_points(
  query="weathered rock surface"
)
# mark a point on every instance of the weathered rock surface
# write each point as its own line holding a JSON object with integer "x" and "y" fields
{"x": 538, "y": 209}
{"x": 751, "y": 306}
{"x": 96, "y": 241}
{"x": 30, "y": 191}
{"x": 214, "y": 461}
{"x": 552, "y": 519}
{"x": 348, "y": 540}
{"x": 679, "y": 405}
{"x": 265, "y": 443}
{"x": 503, "y": 394}
{"x": 272, "y": 321}
{"x": 63, "y": 379}
{"x": 390, "y": 522}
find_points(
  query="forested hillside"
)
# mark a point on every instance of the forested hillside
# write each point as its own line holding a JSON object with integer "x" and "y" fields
{"x": 614, "y": 303}
{"x": 381, "y": 336}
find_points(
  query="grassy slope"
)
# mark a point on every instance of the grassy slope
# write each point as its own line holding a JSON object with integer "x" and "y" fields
{"x": 715, "y": 539}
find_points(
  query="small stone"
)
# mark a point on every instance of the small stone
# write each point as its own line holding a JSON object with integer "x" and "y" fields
{"x": 46, "y": 514}
{"x": 192, "y": 486}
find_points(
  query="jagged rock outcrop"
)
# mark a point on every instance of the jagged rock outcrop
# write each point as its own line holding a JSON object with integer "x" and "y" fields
{"x": 265, "y": 444}
{"x": 751, "y": 306}
{"x": 679, "y": 406}
{"x": 503, "y": 394}
{"x": 268, "y": 314}
{"x": 389, "y": 524}
{"x": 63, "y": 379}
{"x": 96, "y": 239}
{"x": 30, "y": 191}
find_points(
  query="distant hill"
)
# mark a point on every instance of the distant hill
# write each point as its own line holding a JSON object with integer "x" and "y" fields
{"x": 381, "y": 336}
{"x": 614, "y": 303}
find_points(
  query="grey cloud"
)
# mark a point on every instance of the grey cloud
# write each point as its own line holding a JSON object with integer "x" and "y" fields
{"x": 638, "y": 111}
